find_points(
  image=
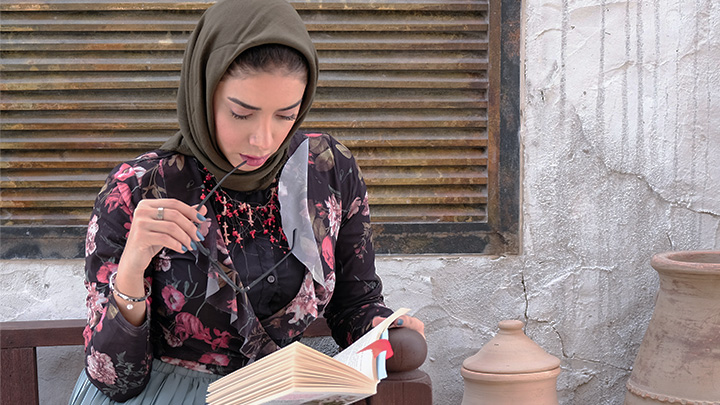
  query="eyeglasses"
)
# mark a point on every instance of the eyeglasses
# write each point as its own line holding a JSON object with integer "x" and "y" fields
{"x": 214, "y": 263}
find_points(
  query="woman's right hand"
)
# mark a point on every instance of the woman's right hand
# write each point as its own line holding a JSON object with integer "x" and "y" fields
{"x": 177, "y": 230}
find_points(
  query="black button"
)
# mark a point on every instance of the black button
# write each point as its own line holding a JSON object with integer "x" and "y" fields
{"x": 271, "y": 279}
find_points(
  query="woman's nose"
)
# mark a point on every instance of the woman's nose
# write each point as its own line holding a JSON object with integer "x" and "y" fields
{"x": 261, "y": 137}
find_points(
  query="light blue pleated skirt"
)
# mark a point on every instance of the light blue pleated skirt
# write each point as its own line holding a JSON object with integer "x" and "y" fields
{"x": 168, "y": 385}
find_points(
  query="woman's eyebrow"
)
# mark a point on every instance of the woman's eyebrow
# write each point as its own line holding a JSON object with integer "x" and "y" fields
{"x": 291, "y": 107}
{"x": 250, "y": 107}
{"x": 241, "y": 104}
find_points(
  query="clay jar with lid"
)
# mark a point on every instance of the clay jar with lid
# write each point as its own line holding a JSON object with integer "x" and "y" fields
{"x": 510, "y": 369}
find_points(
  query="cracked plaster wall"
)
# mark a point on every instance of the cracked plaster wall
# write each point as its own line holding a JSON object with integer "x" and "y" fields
{"x": 620, "y": 142}
{"x": 621, "y": 160}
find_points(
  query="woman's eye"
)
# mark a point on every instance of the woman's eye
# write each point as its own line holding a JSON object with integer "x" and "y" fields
{"x": 238, "y": 116}
{"x": 288, "y": 117}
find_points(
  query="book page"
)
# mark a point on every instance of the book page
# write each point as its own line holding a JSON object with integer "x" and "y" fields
{"x": 297, "y": 374}
{"x": 364, "y": 361}
{"x": 293, "y": 374}
{"x": 326, "y": 398}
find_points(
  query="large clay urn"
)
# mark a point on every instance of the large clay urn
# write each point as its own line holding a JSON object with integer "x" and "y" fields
{"x": 679, "y": 358}
{"x": 510, "y": 369}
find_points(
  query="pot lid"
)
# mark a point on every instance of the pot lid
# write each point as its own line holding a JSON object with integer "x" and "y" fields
{"x": 511, "y": 352}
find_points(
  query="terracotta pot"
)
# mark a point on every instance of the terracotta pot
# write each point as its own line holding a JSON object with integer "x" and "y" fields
{"x": 679, "y": 359}
{"x": 510, "y": 369}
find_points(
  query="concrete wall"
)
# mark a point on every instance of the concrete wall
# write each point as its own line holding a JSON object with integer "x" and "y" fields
{"x": 48, "y": 289}
{"x": 621, "y": 159}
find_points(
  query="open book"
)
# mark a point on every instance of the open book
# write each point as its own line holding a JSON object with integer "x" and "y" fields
{"x": 298, "y": 374}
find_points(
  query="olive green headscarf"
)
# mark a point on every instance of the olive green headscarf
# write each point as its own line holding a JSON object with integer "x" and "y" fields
{"x": 224, "y": 31}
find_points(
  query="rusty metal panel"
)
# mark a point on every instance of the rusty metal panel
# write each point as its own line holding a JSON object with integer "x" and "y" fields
{"x": 404, "y": 84}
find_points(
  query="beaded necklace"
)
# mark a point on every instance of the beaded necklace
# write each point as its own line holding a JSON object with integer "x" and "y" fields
{"x": 240, "y": 221}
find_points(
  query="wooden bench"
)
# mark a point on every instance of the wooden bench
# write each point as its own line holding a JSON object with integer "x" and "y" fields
{"x": 405, "y": 384}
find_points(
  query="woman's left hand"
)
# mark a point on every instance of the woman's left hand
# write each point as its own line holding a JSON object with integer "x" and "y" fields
{"x": 404, "y": 321}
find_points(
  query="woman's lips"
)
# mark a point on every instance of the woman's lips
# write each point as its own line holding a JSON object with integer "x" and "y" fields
{"x": 254, "y": 160}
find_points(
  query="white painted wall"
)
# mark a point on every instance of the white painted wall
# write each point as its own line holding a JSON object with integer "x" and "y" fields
{"x": 621, "y": 160}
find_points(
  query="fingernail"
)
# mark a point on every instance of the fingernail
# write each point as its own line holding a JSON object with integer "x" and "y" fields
{"x": 184, "y": 249}
{"x": 193, "y": 245}
{"x": 200, "y": 235}
{"x": 399, "y": 322}
{"x": 201, "y": 218}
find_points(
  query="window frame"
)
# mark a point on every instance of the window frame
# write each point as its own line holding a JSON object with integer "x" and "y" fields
{"x": 500, "y": 235}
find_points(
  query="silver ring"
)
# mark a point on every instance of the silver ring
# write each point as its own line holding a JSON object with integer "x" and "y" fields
{"x": 160, "y": 214}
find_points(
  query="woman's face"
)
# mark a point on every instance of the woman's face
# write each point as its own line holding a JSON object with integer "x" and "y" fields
{"x": 254, "y": 114}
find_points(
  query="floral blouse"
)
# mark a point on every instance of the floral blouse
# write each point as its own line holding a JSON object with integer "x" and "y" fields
{"x": 319, "y": 212}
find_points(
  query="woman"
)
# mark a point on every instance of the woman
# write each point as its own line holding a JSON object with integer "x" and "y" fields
{"x": 189, "y": 281}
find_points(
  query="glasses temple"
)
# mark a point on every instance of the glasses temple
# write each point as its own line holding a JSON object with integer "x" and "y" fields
{"x": 265, "y": 274}
{"x": 217, "y": 267}
{"x": 214, "y": 263}
{"x": 207, "y": 197}
{"x": 205, "y": 250}
{"x": 232, "y": 284}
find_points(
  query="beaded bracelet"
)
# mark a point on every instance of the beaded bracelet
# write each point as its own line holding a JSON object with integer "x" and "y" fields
{"x": 148, "y": 291}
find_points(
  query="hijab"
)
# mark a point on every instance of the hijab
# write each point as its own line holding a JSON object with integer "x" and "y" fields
{"x": 224, "y": 31}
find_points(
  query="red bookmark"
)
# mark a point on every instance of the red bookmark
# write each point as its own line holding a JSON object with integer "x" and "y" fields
{"x": 379, "y": 346}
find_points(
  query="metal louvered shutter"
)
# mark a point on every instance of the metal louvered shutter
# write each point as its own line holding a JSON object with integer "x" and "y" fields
{"x": 86, "y": 85}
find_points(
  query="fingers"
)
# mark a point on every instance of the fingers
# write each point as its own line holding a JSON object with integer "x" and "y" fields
{"x": 411, "y": 323}
{"x": 203, "y": 209}
{"x": 167, "y": 223}
{"x": 173, "y": 206}
{"x": 174, "y": 233}
{"x": 403, "y": 321}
